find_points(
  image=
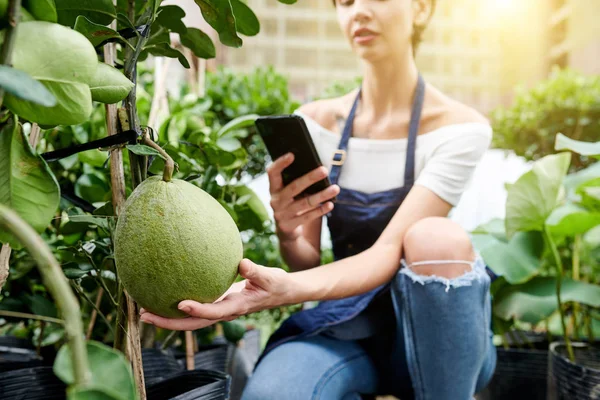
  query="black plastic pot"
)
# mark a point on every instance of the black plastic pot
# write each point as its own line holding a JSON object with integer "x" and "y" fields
{"x": 199, "y": 384}
{"x": 14, "y": 358}
{"x": 577, "y": 380}
{"x": 38, "y": 383}
{"x": 12, "y": 341}
{"x": 521, "y": 373}
{"x": 159, "y": 365}
{"x": 216, "y": 357}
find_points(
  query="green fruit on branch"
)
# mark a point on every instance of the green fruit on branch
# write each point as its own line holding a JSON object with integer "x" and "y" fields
{"x": 173, "y": 242}
{"x": 65, "y": 62}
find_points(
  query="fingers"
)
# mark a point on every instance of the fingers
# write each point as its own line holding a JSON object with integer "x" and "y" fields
{"x": 298, "y": 185}
{"x": 183, "y": 324}
{"x": 291, "y": 224}
{"x": 233, "y": 305}
{"x": 274, "y": 171}
{"x": 313, "y": 201}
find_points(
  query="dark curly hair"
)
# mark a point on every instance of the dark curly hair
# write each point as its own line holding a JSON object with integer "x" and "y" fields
{"x": 418, "y": 30}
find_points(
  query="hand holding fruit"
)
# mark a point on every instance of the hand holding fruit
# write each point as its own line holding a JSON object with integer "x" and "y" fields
{"x": 263, "y": 288}
{"x": 291, "y": 213}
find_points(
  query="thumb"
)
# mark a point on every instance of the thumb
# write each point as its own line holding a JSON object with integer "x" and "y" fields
{"x": 252, "y": 272}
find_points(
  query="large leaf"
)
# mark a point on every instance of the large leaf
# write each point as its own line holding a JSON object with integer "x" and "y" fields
{"x": 536, "y": 300}
{"x": 237, "y": 123}
{"x": 110, "y": 370}
{"x": 518, "y": 260}
{"x": 171, "y": 17}
{"x": 494, "y": 227}
{"x": 571, "y": 219}
{"x": 90, "y": 393}
{"x": 584, "y": 148}
{"x": 245, "y": 19}
{"x": 219, "y": 15}
{"x": 65, "y": 62}
{"x": 592, "y": 237}
{"x": 164, "y": 50}
{"x": 199, "y": 42}
{"x": 42, "y": 10}
{"x": 99, "y": 11}
{"x": 96, "y": 33}
{"x": 109, "y": 85}
{"x": 576, "y": 179}
{"x": 23, "y": 86}
{"x": 533, "y": 197}
{"x": 26, "y": 183}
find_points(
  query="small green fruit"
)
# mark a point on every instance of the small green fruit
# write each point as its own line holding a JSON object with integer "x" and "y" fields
{"x": 174, "y": 242}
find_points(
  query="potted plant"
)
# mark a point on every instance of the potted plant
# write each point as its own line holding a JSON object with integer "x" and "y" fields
{"x": 543, "y": 252}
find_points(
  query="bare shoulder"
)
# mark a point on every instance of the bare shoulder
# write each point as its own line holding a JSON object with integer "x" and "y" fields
{"x": 326, "y": 112}
{"x": 445, "y": 110}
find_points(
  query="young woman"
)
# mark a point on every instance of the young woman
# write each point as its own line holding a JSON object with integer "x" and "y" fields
{"x": 405, "y": 307}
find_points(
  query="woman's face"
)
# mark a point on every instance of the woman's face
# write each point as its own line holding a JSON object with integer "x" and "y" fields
{"x": 377, "y": 29}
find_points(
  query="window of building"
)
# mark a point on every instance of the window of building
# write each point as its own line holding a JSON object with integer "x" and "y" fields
{"x": 301, "y": 28}
{"x": 300, "y": 58}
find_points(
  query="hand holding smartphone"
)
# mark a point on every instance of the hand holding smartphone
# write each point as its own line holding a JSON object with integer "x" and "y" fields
{"x": 300, "y": 186}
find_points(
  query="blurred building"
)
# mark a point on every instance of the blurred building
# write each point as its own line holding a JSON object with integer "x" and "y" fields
{"x": 477, "y": 51}
{"x": 304, "y": 41}
{"x": 574, "y": 35}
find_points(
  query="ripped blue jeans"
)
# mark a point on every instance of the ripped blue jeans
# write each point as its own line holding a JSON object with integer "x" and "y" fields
{"x": 441, "y": 349}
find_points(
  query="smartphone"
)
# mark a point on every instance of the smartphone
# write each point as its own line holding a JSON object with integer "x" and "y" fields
{"x": 286, "y": 133}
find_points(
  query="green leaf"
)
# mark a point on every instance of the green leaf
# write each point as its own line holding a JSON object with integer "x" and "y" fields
{"x": 592, "y": 237}
{"x": 91, "y": 188}
{"x": 40, "y": 305}
{"x": 98, "y": 11}
{"x": 23, "y": 86}
{"x": 253, "y": 213}
{"x": 590, "y": 197}
{"x": 110, "y": 371}
{"x": 170, "y": 17}
{"x": 89, "y": 220}
{"x": 245, "y": 19}
{"x": 288, "y": 1}
{"x": 494, "y": 227}
{"x": 518, "y": 260}
{"x": 165, "y": 50}
{"x": 93, "y": 157}
{"x": 219, "y": 15}
{"x": 109, "y": 85}
{"x": 42, "y": 10}
{"x": 535, "y": 300}
{"x": 576, "y": 179}
{"x": 74, "y": 393}
{"x": 96, "y": 33}
{"x": 535, "y": 194}
{"x": 237, "y": 123}
{"x": 583, "y": 148}
{"x": 199, "y": 42}
{"x": 64, "y": 61}
{"x": 143, "y": 150}
{"x": 228, "y": 144}
{"x": 27, "y": 184}
{"x": 571, "y": 219}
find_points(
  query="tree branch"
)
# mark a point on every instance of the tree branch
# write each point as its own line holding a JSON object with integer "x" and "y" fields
{"x": 57, "y": 285}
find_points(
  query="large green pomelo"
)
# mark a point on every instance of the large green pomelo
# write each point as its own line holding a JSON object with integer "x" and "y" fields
{"x": 174, "y": 242}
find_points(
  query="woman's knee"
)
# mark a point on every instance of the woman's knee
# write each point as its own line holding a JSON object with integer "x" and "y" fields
{"x": 432, "y": 243}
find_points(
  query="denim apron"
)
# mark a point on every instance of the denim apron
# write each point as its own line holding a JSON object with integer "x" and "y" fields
{"x": 355, "y": 223}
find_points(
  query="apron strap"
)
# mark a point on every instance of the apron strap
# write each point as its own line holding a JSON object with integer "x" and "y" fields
{"x": 339, "y": 156}
{"x": 413, "y": 131}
